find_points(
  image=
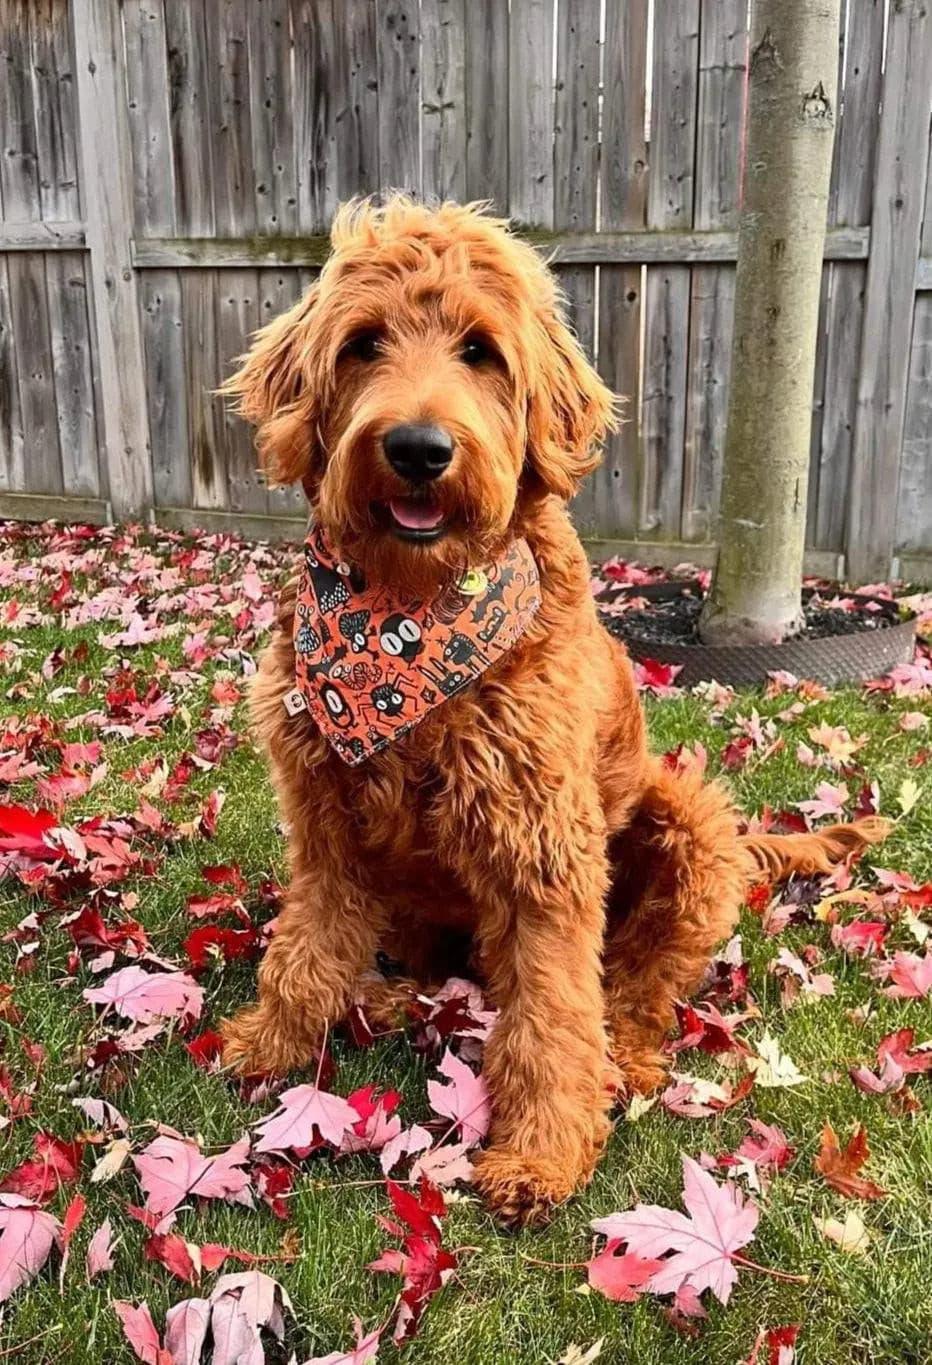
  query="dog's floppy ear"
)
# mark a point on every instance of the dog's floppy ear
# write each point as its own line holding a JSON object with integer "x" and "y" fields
{"x": 272, "y": 390}
{"x": 569, "y": 410}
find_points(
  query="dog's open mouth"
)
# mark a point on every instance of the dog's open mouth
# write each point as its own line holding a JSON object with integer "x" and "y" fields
{"x": 416, "y": 518}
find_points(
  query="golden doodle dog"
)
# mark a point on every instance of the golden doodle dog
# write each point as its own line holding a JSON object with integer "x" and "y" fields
{"x": 429, "y": 396}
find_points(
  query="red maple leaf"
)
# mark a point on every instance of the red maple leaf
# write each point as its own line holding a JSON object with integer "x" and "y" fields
{"x": 620, "y": 1277}
{"x": 55, "y": 1163}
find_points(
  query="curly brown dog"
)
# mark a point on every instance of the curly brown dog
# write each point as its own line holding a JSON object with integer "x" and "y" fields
{"x": 525, "y": 817}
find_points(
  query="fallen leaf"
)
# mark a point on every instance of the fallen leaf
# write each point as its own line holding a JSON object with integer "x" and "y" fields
{"x": 465, "y": 1100}
{"x": 908, "y": 795}
{"x": 840, "y": 1167}
{"x": 170, "y": 1169}
{"x": 241, "y": 1306}
{"x": 406, "y": 1143}
{"x": 851, "y": 1235}
{"x": 146, "y": 996}
{"x": 302, "y": 1110}
{"x": 140, "y": 1332}
{"x": 772, "y": 1068}
{"x": 829, "y": 800}
{"x": 99, "y": 1257}
{"x": 186, "y": 1326}
{"x": 101, "y": 1112}
{"x": 28, "y": 1235}
{"x": 112, "y": 1161}
{"x": 780, "y": 1343}
{"x": 582, "y": 1355}
{"x": 703, "y": 1244}
{"x": 364, "y": 1352}
{"x": 55, "y": 1163}
{"x": 911, "y": 975}
{"x": 620, "y": 1277}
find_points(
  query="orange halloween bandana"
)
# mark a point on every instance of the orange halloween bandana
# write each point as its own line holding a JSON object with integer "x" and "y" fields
{"x": 370, "y": 664}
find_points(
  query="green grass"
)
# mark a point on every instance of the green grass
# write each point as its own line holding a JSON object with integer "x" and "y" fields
{"x": 501, "y": 1307}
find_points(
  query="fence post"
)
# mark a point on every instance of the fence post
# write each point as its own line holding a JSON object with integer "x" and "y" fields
{"x": 896, "y": 222}
{"x": 107, "y": 194}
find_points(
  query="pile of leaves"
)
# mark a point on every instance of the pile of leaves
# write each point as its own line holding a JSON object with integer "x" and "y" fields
{"x": 139, "y": 881}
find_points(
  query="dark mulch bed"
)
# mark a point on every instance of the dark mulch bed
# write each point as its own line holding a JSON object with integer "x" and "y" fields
{"x": 676, "y": 621}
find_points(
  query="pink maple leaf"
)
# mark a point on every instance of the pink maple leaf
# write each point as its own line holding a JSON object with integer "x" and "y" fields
{"x": 465, "y": 1100}
{"x": 829, "y": 800}
{"x": 443, "y": 1165}
{"x": 302, "y": 1109}
{"x": 766, "y": 1145}
{"x": 620, "y": 1277}
{"x": 186, "y": 1326}
{"x": 911, "y": 975}
{"x": 28, "y": 1235}
{"x": 241, "y": 1305}
{"x": 406, "y": 1143}
{"x": 703, "y": 1244}
{"x": 897, "y": 1058}
{"x": 145, "y": 996}
{"x": 170, "y": 1169}
{"x": 99, "y": 1257}
{"x": 860, "y": 938}
{"x": 140, "y": 1331}
{"x": 364, "y": 1352}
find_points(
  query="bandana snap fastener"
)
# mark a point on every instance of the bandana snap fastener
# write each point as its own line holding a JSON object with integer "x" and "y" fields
{"x": 473, "y": 582}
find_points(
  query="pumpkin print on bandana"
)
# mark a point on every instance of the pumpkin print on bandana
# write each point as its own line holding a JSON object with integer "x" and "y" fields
{"x": 370, "y": 664}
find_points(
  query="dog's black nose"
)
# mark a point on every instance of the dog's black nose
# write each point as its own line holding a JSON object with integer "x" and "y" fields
{"x": 418, "y": 452}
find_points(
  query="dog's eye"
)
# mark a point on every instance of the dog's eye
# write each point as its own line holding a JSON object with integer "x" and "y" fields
{"x": 476, "y": 351}
{"x": 367, "y": 346}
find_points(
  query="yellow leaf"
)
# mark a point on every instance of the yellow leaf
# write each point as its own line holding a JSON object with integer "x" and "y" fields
{"x": 851, "y": 1235}
{"x": 908, "y": 794}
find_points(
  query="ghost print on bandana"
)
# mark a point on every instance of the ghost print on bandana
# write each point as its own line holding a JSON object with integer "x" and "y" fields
{"x": 370, "y": 664}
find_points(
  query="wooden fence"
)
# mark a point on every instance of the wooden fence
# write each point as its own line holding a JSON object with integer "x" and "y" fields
{"x": 169, "y": 168}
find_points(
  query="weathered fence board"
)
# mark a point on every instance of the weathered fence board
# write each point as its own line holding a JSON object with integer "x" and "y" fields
{"x": 161, "y": 200}
{"x": 839, "y": 349}
{"x": 166, "y": 386}
{"x": 72, "y": 360}
{"x": 315, "y": 55}
{"x": 613, "y": 488}
{"x": 29, "y": 308}
{"x": 149, "y": 116}
{"x": 898, "y": 201}
{"x": 530, "y": 112}
{"x": 723, "y": 54}
{"x": 487, "y": 94}
{"x": 666, "y": 323}
{"x": 399, "y": 56}
{"x": 576, "y": 168}
{"x": 230, "y": 108}
{"x": 106, "y": 191}
{"x": 443, "y": 99}
{"x": 915, "y": 492}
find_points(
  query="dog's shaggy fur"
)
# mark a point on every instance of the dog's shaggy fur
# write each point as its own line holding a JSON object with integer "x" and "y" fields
{"x": 523, "y": 829}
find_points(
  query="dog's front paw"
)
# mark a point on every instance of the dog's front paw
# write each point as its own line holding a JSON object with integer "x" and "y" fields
{"x": 258, "y": 1039}
{"x": 523, "y": 1190}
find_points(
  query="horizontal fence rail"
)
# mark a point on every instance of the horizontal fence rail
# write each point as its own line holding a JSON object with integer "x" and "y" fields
{"x": 170, "y": 168}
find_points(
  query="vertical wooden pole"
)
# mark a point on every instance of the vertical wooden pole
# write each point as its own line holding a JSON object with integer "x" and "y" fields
{"x": 896, "y": 224}
{"x": 107, "y": 193}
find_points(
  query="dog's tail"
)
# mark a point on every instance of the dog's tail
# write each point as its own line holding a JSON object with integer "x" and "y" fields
{"x": 776, "y": 856}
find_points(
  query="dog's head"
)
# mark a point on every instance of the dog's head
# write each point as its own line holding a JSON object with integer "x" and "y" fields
{"x": 426, "y": 391}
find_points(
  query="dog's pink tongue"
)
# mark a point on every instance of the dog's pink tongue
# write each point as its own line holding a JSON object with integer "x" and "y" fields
{"x": 416, "y": 514}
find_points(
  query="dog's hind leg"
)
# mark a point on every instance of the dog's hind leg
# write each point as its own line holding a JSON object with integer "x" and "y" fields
{"x": 679, "y": 879}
